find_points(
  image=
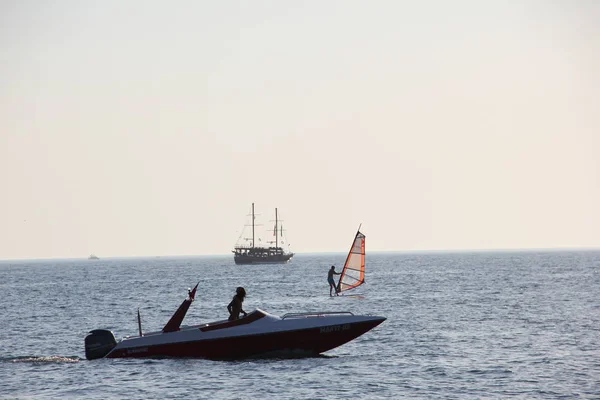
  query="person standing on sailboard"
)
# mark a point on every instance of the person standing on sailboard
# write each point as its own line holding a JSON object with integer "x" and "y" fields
{"x": 331, "y": 281}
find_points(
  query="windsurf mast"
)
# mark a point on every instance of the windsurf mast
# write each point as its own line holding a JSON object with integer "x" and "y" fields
{"x": 353, "y": 273}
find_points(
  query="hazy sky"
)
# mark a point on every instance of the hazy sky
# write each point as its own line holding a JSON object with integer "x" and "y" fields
{"x": 132, "y": 128}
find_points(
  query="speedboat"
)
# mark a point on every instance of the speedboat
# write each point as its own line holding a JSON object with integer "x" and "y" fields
{"x": 259, "y": 334}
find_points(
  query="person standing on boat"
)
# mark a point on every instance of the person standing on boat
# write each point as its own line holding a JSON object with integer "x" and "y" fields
{"x": 235, "y": 307}
{"x": 331, "y": 281}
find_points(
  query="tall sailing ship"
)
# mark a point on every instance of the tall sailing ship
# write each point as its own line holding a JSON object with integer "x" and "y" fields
{"x": 248, "y": 251}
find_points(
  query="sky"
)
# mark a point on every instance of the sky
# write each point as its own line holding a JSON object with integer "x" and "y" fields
{"x": 142, "y": 128}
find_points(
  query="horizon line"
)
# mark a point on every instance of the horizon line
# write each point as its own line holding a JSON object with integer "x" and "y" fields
{"x": 487, "y": 250}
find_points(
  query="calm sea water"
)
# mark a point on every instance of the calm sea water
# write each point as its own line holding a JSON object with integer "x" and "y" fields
{"x": 460, "y": 326}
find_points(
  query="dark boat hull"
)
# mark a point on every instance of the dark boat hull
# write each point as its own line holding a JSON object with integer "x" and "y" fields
{"x": 255, "y": 259}
{"x": 300, "y": 342}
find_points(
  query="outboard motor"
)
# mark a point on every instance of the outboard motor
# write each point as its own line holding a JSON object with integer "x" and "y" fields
{"x": 99, "y": 343}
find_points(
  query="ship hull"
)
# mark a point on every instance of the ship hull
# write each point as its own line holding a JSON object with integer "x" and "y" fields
{"x": 271, "y": 259}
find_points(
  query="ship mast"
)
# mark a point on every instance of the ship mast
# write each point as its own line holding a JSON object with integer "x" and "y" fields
{"x": 276, "y": 233}
{"x": 252, "y": 225}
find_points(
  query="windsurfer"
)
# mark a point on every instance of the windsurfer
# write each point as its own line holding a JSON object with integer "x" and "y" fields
{"x": 331, "y": 281}
{"x": 235, "y": 307}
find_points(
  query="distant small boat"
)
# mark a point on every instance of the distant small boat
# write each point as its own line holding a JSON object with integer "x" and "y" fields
{"x": 93, "y": 257}
{"x": 353, "y": 274}
{"x": 269, "y": 254}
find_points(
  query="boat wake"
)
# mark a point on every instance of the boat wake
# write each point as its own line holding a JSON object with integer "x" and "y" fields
{"x": 43, "y": 359}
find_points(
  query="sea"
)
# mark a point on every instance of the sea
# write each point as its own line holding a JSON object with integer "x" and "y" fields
{"x": 460, "y": 325}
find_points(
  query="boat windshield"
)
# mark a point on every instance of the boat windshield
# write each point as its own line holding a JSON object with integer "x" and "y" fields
{"x": 251, "y": 317}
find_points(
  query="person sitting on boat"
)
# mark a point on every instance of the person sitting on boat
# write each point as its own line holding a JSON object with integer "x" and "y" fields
{"x": 235, "y": 307}
{"x": 331, "y": 281}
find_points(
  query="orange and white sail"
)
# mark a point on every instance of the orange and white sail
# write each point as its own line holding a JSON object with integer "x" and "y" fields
{"x": 353, "y": 274}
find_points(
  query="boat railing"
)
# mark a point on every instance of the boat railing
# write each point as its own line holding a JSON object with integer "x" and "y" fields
{"x": 315, "y": 314}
